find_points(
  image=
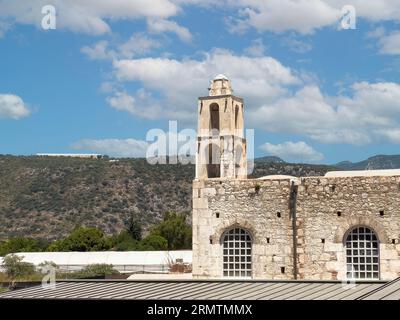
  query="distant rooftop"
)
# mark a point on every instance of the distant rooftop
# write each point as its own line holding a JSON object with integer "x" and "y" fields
{"x": 71, "y": 155}
{"x": 277, "y": 177}
{"x": 363, "y": 173}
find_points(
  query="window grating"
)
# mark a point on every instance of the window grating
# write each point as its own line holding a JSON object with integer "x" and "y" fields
{"x": 362, "y": 254}
{"x": 237, "y": 253}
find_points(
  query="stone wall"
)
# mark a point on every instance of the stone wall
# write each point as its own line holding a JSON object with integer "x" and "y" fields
{"x": 328, "y": 207}
{"x": 220, "y": 204}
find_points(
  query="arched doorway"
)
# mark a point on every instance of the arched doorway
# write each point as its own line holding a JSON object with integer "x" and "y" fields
{"x": 237, "y": 253}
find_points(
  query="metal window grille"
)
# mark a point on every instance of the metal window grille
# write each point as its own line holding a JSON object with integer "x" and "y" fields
{"x": 237, "y": 253}
{"x": 362, "y": 254}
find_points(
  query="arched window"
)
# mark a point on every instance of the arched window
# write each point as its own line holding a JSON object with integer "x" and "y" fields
{"x": 213, "y": 161}
{"x": 236, "y": 116}
{"x": 236, "y": 245}
{"x": 362, "y": 253}
{"x": 214, "y": 116}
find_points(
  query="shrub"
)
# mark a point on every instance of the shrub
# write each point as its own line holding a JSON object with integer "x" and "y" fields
{"x": 154, "y": 242}
{"x": 83, "y": 239}
{"x": 95, "y": 271}
{"x": 15, "y": 268}
{"x": 176, "y": 230}
{"x": 124, "y": 242}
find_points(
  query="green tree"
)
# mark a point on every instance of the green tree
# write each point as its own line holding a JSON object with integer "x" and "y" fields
{"x": 176, "y": 230}
{"x": 21, "y": 244}
{"x": 15, "y": 268}
{"x": 83, "y": 239}
{"x": 124, "y": 242}
{"x": 154, "y": 242}
{"x": 134, "y": 227}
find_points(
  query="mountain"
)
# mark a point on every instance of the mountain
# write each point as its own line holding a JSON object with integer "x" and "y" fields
{"x": 375, "y": 162}
{"x": 47, "y": 197}
{"x": 269, "y": 159}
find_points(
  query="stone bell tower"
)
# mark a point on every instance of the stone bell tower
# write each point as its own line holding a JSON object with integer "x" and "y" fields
{"x": 221, "y": 146}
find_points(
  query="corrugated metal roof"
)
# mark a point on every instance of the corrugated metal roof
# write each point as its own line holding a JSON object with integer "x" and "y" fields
{"x": 209, "y": 290}
{"x": 389, "y": 291}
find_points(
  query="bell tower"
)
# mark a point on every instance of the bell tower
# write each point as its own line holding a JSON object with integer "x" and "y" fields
{"x": 221, "y": 146}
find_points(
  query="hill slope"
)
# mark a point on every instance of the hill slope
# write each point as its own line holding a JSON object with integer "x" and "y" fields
{"x": 47, "y": 197}
{"x": 375, "y": 162}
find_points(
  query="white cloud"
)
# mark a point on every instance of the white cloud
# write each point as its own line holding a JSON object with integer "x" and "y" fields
{"x": 257, "y": 48}
{"x": 296, "y": 45}
{"x": 179, "y": 82}
{"x": 370, "y": 114}
{"x": 4, "y": 26}
{"x": 390, "y": 44}
{"x": 99, "y": 51}
{"x": 142, "y": 104}
{"x": 162, "y": 25}
{"x": 138, "y": 44}
{"x": 293, "y": 151}
{"x": 12, "y": 107}
{"x": 87, "y": 16}
{"x": 113, "y": 147}
{"x": 303, "y": 16}
{"x": 376, "y": 33}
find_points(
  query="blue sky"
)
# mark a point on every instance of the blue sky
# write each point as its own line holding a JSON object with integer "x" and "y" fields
{"x": 113, "y": 70}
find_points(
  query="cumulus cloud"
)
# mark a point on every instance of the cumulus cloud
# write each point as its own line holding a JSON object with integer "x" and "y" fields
{"x": 178, "y": 82}
{"x": 302, "y": 16}
{"x": 293, "y": 151}
{"x": 87, "y": 16}
{"x": 113, "y": 147}
{"x": 137, "y": 45}
{"x": 13, "y": 107}
{"x": 370, "y": 113}
{"x": 163, "y": 25}
{"x": 305, "y": 16}
{"x": 99, "y": 51}
{"x": 142, "y": 104}
{"x": 390, "y": 44}
{"x": 256, "y": 49}
{"x": 296, "y": 45}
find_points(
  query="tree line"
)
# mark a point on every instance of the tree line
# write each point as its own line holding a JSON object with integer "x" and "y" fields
{"x": 172, "y": 233}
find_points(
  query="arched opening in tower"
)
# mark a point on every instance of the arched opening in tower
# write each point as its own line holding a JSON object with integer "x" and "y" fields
{"x": 238, "y": 159}
{"x": 214, "y": 161}
{"x": 214, "y": 118}
{"x": 236, "y": 116}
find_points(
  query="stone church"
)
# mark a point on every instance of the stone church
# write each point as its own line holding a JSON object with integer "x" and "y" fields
{"x": 344, "y": 225}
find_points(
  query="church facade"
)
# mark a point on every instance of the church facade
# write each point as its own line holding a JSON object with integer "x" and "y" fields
{"x": 344, "y": 225}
